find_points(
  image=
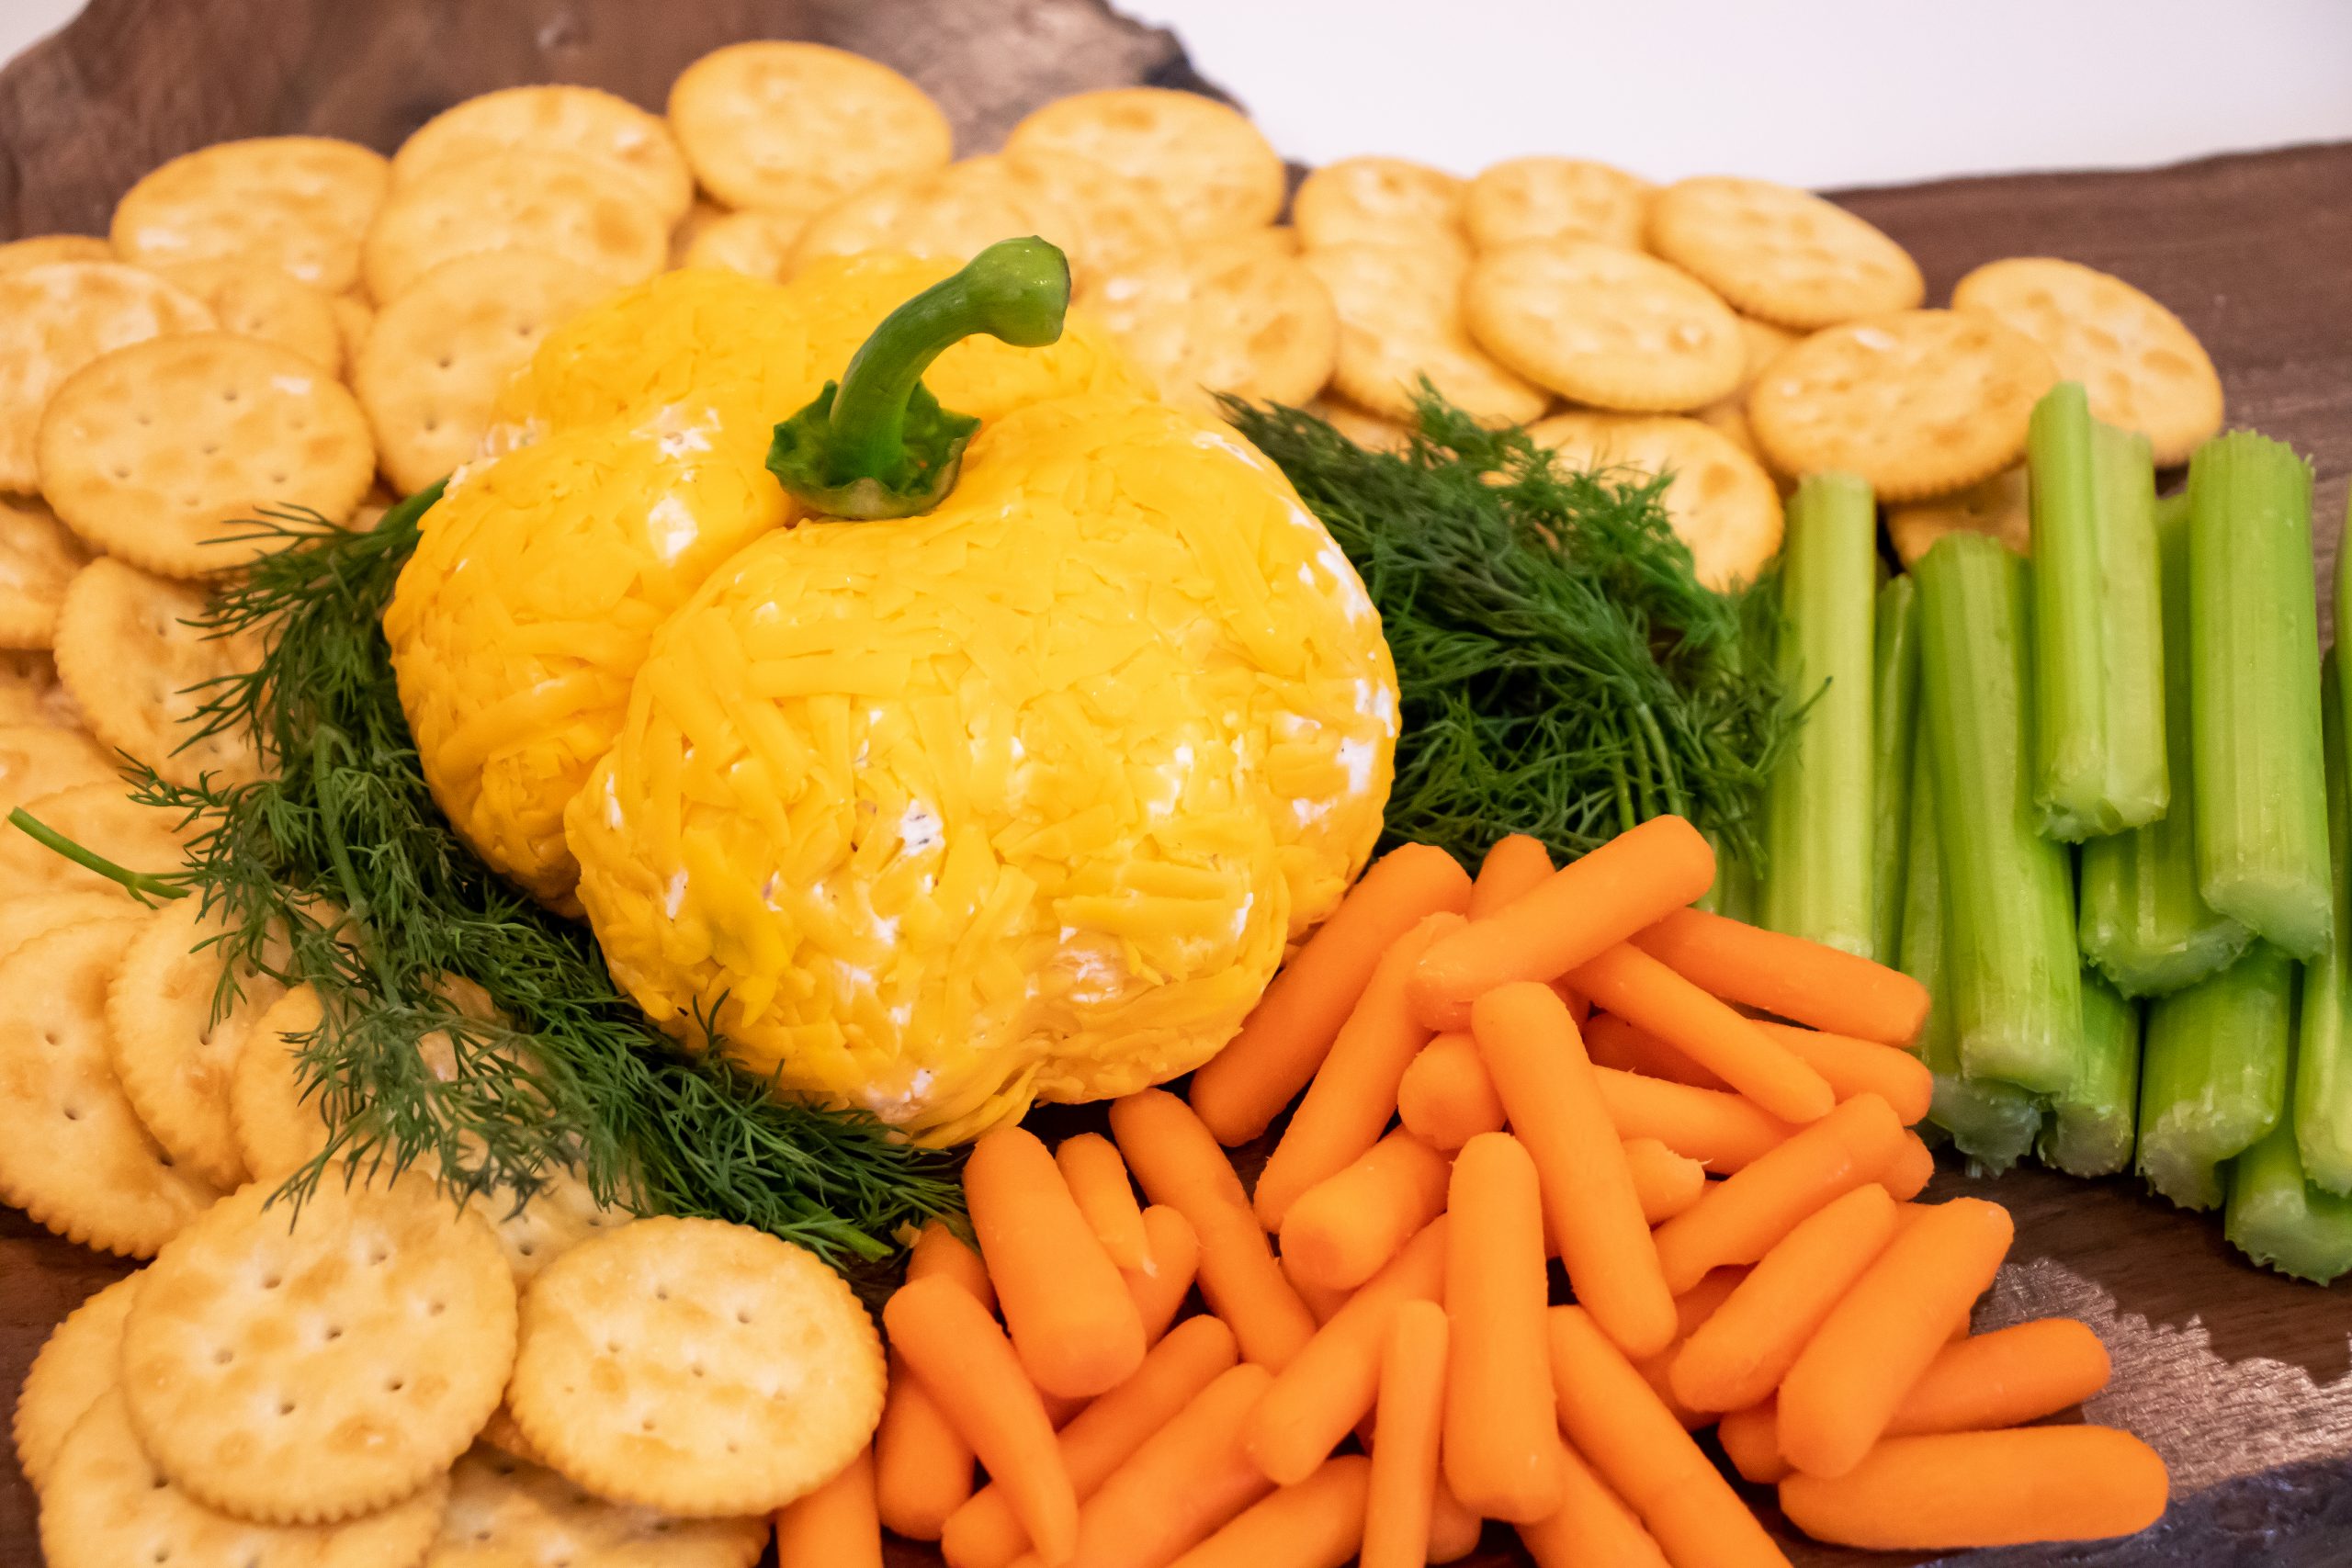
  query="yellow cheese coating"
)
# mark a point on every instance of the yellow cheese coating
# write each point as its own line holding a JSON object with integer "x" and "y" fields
{"x": 1019, "y": 800}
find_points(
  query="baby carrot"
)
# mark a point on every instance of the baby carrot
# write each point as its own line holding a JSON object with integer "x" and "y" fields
{"x": 1965, "y": 1489}
{"x": 923, "y": 1471}
{"x": 1445, "y": 1097}
{"x": 1323, "y": 1302}
{"x": 1098, "y": 1183}
{"x": 1405, "y": 1437}
{"x": 1315, "y": 1524}
{"x": 1593, "y": 1526}
{"x": 1181, "y": 1165}
{"x": 1751, "y": 1440}
{"x": 967, "y": 1366}
{"x": 1064, "y": 1303}
{"x": 1789, "y": 976}
{"x": 1498, "y": 1420}
{"x": 985, "y": 1532}
{"x": 1172, "y": 1256}
{"x": 1913, "y": 1165}
{"x": 1837, "y": 1398}
{"x": 1514, "y": 865}
{"x": 1692, "y": 1308}
{"x": 1739, "y": 1219}
{"x": 1355, "y": 1092}
{"x": 1329, "y": 1388}
{"x": 1455, "y": 1531}
{"x": 1343, "y": 1228}
{"x": 1284, "y": 1039}
{"x": 1739, "y": 1354}
{"x": 1638, "y": 989}
{"x": 1615, "y": 1422}
{"x": 1852, "y": 1067}
{"x": 2004, "y": 1378}
{"x": 835, "y": 1525}
{"x": 1587, "y": 906}
{"x": 1665, "y": 1182}
{"x": 1722, "y": 1132}
{"x": 1182, "y": 1486}
{"x": 1537, "y": 1061}
{"x": 1611, "y": 1042}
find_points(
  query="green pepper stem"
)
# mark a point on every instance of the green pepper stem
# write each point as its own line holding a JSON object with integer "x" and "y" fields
{"x": 879, "y": 444}
{"x": 145, "y": 885}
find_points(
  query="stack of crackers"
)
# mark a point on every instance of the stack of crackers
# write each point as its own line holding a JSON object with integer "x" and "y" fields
{"x": 375, "y": 1378}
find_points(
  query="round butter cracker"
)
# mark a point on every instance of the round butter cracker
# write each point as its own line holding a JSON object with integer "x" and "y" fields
{"x": 1379, "y": 201}
{"x": 157, "y": 453}
{"x": 132, "y": 652}
{"x": 74, "y": 1155}
{"x": 1604, "y": 326}
{"x": 754, "y": 243}
{"x": 1212, "y": 170}
{"x": 172, "y": 1055}
{"x": 1221, "y": 317}
{"x": 1918, "y": 403}
{"x": 1546, "y": 197}
{"x": 37, "y": 914}
{"x": 110, "y": 1505}
{"x": 43, "y": 250}
{"x": 1720, "y": 501}
{"x": 39, "y": 556}
{"x": 38, "y": 759}
{"x": 506, "y": 1512}
{"x": 2139, "y": 366}
{"x": 699, "y": 1368}
{"x": 796, "y": 126}
{"x": 75, "y": 1369}
{"x": 297, "y": 203}
{"x": 950, "y": 214}
{"x": 436, "y": 357}
{"x": 1401, "y": 320}
{"x": 1997, "y": 506}
{"x": 56, "y": 319}
{"x": 307, "y": 1367}
{"x": 102, "y": 818}
{"x": 1368, "y": 431}
{"x": 550, "y": 202}
{"x": 1781, "y": 254}
{"x": 583, "y": 121}
{"x": 253, "y": 300}
{"x": 1113, "y": 221}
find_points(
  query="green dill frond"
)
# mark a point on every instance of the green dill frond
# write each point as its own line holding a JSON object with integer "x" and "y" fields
{"x": 340, "y": 871}
{"x": 1563, "y": 672}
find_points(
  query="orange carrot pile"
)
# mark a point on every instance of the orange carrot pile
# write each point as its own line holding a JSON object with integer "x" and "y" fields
{"x": 1541, "y": 1062}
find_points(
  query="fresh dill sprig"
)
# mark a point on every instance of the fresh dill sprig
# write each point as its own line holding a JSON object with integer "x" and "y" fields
{"x": 340, "y": 871}
{"x": 1562, "y": 672}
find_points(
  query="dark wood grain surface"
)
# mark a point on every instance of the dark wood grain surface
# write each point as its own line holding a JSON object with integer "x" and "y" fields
{"x": 2242, "y": 1378}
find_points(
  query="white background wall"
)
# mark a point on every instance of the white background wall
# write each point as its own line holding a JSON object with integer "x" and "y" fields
{"x": 1819, "y": 92}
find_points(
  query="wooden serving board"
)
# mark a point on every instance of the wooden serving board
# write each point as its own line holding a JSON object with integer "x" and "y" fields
{"x": 2242, "y": 1378}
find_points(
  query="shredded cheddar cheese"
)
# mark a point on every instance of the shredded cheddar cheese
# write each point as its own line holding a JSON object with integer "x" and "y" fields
{"x": 1017, "y": 800}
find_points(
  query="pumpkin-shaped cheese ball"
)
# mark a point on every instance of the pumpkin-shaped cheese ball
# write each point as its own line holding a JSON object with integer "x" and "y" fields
{"x": 518, "y": 625}
{"x": 1017, "y": 799}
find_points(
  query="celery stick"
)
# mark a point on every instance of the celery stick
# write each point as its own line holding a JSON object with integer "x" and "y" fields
{"x": 2144, "y": 925}
{"x": 2010, "y": 895}
{"x": 2278, "y": 1217}
{"x": 2254, "y": 692}
{"x": 2091, "y": 1122}
{"x": 2213, "y": 1074}
{"x": 1992, "y": 1123}
{"x": 2323, "y": 1059}
{"x": 1893, "y": 726}
{"x": 2097, "y": 623}
{"x": 1818, "y": 817}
